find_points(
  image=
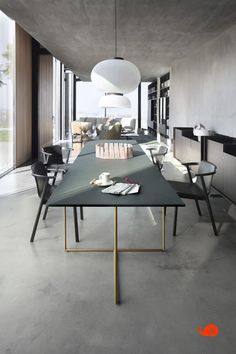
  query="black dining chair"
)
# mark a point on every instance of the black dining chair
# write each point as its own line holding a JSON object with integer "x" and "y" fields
{"x": 53, "y": 159}
{"x": 199, "y": 190}
{"x": 158, "y": 156}
{"x": 45, "y": 189}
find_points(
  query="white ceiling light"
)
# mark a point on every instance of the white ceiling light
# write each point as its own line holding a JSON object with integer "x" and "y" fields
{"x": 115, "y": 75}
{"x": 114, "y": 100}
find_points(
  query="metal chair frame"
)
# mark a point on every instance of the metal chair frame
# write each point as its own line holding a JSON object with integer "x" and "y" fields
{"x": 155, "y": 156}
{"x": 43, "y": 201}
{"x": 202, "y": 190}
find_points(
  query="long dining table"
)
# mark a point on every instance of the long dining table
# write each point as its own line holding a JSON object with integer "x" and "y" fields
{"x": 75, "y": 190}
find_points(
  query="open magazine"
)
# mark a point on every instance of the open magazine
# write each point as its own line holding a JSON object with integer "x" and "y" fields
{"x": 122, "y": 188}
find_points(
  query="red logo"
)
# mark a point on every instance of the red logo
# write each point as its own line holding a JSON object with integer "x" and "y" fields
{"x": 210, "y": 330}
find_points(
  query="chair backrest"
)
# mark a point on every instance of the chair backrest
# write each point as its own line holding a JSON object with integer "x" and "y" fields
{"x": 39, "y": 169}
{"x": 209, "y": 168}
{"x": 112, "y": 134}
{"x": 56, "y": 154}
{"x": 158, "y": 158}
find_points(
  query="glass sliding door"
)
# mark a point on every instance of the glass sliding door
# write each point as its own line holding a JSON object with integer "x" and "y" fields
{"x": 7, "y": 49}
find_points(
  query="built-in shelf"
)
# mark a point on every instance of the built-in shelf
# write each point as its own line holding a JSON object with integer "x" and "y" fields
{"x": 152, "y": 107}
{"x": 158, "y": 106}
{"x": 164, "y": 105}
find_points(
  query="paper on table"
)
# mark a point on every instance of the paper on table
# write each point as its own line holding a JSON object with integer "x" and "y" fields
{"x": 122, "y": 188}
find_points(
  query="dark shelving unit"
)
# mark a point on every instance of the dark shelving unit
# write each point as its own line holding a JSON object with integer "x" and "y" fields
{"x": 164, "y": 105}
{"x": 152, "y": 108}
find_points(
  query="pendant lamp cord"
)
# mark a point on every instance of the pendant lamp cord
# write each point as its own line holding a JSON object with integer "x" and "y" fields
{"x": 115, "y": 29}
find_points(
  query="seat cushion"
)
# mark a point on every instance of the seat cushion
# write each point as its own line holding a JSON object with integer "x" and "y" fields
{"x": 187, "y": 190}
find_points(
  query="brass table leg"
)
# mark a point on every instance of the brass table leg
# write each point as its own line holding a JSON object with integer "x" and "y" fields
{"x": 163, "y": 231}
{"x": 115, "y": 248}
{"x": 65, "y": 230}
{"x": 115, "y": 253}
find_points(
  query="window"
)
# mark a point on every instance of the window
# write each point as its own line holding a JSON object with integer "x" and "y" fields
{"x": 7, "y": 44}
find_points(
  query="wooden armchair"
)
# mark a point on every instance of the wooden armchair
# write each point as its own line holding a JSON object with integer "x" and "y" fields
{"x": 199, "y": 190}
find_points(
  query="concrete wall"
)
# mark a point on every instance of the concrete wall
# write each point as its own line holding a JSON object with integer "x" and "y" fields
{"x": 203, "y": 87}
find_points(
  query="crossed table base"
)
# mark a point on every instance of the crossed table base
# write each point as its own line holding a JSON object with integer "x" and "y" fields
{"x": 115, "y": 248}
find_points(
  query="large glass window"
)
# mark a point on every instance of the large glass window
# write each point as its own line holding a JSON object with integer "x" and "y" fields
{"x": 7, "y": 40}
{"x": 87, "y": 98}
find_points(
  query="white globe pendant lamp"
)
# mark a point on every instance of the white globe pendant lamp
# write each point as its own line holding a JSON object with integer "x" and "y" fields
{"x": 114, "y": 100}
{"x": 115, "y": 75}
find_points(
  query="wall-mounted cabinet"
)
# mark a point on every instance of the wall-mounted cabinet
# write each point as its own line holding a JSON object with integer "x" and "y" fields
{"x": 221, "y": 150}
{"x": 187, "y": 148}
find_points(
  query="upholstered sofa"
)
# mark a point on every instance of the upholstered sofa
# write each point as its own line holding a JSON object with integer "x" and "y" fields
{"x": 128, "y": 124}
{"x": 105, "y": 128}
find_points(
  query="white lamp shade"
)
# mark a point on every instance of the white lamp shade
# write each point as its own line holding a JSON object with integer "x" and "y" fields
{"x": 200, "y": 130}
{"x": 115, "y": 75}
{"x": 114, "y": 101}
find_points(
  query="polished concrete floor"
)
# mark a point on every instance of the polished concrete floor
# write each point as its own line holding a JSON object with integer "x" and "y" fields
{"x": 53, "y": 302}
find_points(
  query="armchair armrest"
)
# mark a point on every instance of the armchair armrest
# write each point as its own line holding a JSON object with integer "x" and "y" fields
{"x": 44, "y": 177}
{"x": 204, "y": 174}
{"x": 190, "y": 163}
{"x": 159, "y": 154}
{"x": 151, "y": 148}
{"x": 46, "y": 156}
{"x": 187, "y": 165}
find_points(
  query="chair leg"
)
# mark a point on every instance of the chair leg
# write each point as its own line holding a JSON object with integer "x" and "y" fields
{"x": 81, "y": 213}
{"x": 175, "y": 221}
{"x": 211, "y": 216}
{"x": 45, "y": 213}
{"x": 36, "y": 221}
{"x": 165, "y": 210}
{"x": 55, "y": 177}
{"x": 198, "y": 207}
{"x": 76, "y": 225}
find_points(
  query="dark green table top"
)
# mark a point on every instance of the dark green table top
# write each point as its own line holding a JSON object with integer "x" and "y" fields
{"x": 75, "y": 189}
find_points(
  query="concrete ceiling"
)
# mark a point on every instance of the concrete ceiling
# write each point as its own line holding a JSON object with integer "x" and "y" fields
{"x": 151, "y": 33}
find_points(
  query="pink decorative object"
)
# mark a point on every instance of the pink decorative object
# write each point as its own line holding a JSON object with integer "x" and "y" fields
{"x": 117, "y": 151}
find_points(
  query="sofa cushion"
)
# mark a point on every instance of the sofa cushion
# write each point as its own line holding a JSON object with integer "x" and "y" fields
{"x": 113, "y": 133}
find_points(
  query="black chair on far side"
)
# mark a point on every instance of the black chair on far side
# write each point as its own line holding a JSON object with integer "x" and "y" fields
{"x": 45, "y": 189}
{"x": 53, "y": 159}
{"x": 158, "y": 156}
{"x": 199, "y": 190}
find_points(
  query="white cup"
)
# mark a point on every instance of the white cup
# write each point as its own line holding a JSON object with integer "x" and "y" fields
{"x": 104, "y": 177}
